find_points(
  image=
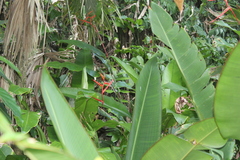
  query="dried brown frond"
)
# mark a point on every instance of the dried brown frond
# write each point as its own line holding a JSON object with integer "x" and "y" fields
{"x": 21, "y": 35}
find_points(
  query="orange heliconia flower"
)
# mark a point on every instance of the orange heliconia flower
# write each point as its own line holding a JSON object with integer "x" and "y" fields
{"x": 102, "y": 85}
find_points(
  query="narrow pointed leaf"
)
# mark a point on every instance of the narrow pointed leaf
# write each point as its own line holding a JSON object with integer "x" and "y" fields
{"x": 10, "y": 64}
{"x": 146, "y": 122}
{"x": 130, "y": 71}
{"x": 189, "y": 61}
{"x": 2, "y": 74}
{"x": 226, "y": 105}
{"x": 67, "y": 126}
{"x": 10, "y": 102}
{"x": 68, "y": 65}
{"x": 31, "y": 148}
{"x": 84, "y": 45}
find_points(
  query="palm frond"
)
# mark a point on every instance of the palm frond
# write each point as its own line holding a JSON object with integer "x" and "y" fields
{"x": 21, "y": 35}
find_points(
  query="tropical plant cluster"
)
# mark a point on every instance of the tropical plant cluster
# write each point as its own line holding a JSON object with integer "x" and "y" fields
{"x": 122, "y": 79}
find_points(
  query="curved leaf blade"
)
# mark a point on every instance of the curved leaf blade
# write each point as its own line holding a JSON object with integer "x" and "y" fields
{"x": 171, "y": 74}
{"x": 146, "y": 125}
{"x": 10, "y": 102}
{"x": 130, "y": 71}
{"x": 68, "y": 65}
{"x": 30, "y": 120}
{"x": 205, "y": 133}
{"x": 10, "y": 64}
{"x": 116, "y": 107}
{"x": 84, "y": 45}
{"x": 189, "y": 61}
{"x": 226, "y": 104}
{"x": 68, "y": 128}
{"x": 172, "y": 148}
{"x": 199, "y": 135}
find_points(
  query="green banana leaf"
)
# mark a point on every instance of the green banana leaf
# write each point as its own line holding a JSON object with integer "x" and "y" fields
{"x": 67, "y": 126}
{"x": 205, "y": 133}
{"x": 189, "y": 61}
{"x": 172, "y": 148}
{"x": 226, "y": 104}
{"x": 200, "y": 135}
{"x": 146, "y": 121}
{"x": 39, "y": 151}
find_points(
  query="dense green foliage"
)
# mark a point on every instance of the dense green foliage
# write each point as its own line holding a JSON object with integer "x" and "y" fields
{"x": 124, "y": 80}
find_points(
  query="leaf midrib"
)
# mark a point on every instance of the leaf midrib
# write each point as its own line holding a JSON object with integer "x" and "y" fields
{"x": 140, "y": 117}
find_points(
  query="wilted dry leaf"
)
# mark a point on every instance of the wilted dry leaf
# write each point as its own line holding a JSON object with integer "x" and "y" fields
{"x": 179, "y": 4}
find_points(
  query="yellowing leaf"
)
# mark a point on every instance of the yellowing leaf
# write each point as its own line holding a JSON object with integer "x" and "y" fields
{"x": 179, "y": 4}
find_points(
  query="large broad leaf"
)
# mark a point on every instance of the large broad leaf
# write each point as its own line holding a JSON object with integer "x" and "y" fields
{"x": 68, "y": 128}
{"x": 146, "y": 122}
{"x": 172, "y": 148}
{"x": 205, "y": 133}
{"x": 189, "y": 61}
{"x": 226, "y": 105}
{"x": 200, "y": 135}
